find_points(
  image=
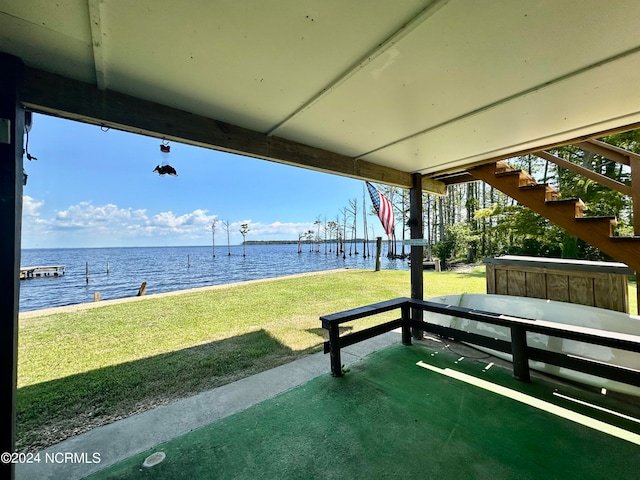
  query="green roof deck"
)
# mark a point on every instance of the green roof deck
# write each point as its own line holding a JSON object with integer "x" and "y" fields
{"x": 422, "y": 411}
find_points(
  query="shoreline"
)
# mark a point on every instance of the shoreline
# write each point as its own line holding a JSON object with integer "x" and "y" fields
{"x": 102, "y": 303}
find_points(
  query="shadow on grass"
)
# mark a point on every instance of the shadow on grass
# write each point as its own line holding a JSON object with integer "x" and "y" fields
{"x": 51, "y": 411}
{"x": 473, "y": 273}
{"x": 324, "y": 334}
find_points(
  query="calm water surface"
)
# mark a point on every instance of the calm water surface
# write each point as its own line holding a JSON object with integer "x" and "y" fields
{"x": 169, "y": 268}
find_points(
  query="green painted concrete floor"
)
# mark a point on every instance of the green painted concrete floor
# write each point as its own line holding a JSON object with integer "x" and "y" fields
{"x": 389, "y": 417}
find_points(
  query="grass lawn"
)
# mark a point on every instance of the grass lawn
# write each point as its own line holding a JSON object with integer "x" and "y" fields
{"x": 81, "y": 369}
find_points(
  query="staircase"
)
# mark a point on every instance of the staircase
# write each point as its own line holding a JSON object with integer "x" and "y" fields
{"x": 566, "y": 213}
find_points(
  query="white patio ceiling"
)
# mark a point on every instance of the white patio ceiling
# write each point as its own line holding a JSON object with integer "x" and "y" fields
{"x": 415, "y": 85}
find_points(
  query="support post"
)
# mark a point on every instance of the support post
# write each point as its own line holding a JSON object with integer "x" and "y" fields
{"x": 406, "y": 328}
{"x": 378, "y": 252}
{"x": 417, "y": 254}
{"x": 634, "y": 163}
{"x": 11, "y": 182}
{"x": 334, "y": 350}
{"x": 520, "y": 355}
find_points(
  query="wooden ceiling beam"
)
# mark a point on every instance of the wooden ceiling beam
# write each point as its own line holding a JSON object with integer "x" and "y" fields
{"x": 63, "y": 97}
{"x": 97, "y": 42}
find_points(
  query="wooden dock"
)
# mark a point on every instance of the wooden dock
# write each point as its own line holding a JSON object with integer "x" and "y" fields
{"x": 41, "y": 271}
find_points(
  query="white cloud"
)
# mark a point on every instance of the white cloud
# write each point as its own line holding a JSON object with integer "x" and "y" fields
{"x": 287, "y": 230}
{"x": 85, "y": 224}
{"x": 197, "y": 218}
{"x": 84, "y": 215}
{"x": 110, "y": 225}
{"x": 30, "y": 209}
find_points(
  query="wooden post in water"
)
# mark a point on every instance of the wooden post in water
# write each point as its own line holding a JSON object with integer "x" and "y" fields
{"x": 96, "y": 296}
{"x": 378, "y": 252}
{"x": 107, "y": 267}
{"x": 86, "y": 272}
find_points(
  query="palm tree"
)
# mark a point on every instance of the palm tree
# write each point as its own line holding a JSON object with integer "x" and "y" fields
{"x": 318, "y": 223}
{"x": 309, "y": 236}
{"x": 332, "y": 227}
{"x": 244, "y": 229}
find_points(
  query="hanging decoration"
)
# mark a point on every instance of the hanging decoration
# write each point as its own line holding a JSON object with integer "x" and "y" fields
{"x": 164, "y": 168}
{"x": 28, "y": 121}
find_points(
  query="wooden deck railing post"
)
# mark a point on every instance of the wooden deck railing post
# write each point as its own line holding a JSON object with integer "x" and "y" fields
{"x": 406, "y": 324}
{"x": 519, "y": 351}
{"x": 334, "y": 350}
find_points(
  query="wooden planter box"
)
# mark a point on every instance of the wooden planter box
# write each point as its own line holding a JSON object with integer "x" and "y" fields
{"x": 597, "y": 284}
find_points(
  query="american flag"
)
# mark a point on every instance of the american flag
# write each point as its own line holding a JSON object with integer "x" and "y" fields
{"x": 384, "y": 209}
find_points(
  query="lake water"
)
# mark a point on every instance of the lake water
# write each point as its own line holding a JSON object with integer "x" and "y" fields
{"x": 170, "y": 268}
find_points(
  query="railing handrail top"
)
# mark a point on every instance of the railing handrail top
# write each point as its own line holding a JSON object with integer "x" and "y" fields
{"x": 365, "y": 311}
{"x": 604, "y": 337}
{"x": 530, "y": 324}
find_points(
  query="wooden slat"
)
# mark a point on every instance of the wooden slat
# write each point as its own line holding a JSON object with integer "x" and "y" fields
{"x": 581, "y": 290}
{"x": 490, "y": 276}
{"x": 611, "y": 292}
{"x": 602, "y": 179}
{"x": 536, "y": 284}
{"x": 60, "y": 96}
{"x": 502, "y": 283}
{"x": 558, "y": 287}
{"x": 609, "y": 151}
{"x": 516, "y": 283}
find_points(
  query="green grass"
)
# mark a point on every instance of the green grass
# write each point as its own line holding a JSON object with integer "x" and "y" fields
{"x": 82, "y": 369}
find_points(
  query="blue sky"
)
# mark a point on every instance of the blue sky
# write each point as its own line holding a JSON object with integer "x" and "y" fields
{"x": 91, "y": 188}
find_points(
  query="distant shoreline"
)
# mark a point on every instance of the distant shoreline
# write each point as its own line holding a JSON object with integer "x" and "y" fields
{"x": 305, "y": 242}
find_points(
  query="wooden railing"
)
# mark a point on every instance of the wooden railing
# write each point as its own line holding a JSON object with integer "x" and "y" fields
{"x": 517, "y": 347}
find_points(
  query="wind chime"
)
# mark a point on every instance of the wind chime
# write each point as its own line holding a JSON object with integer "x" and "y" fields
{"x": 164, "y": 168}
